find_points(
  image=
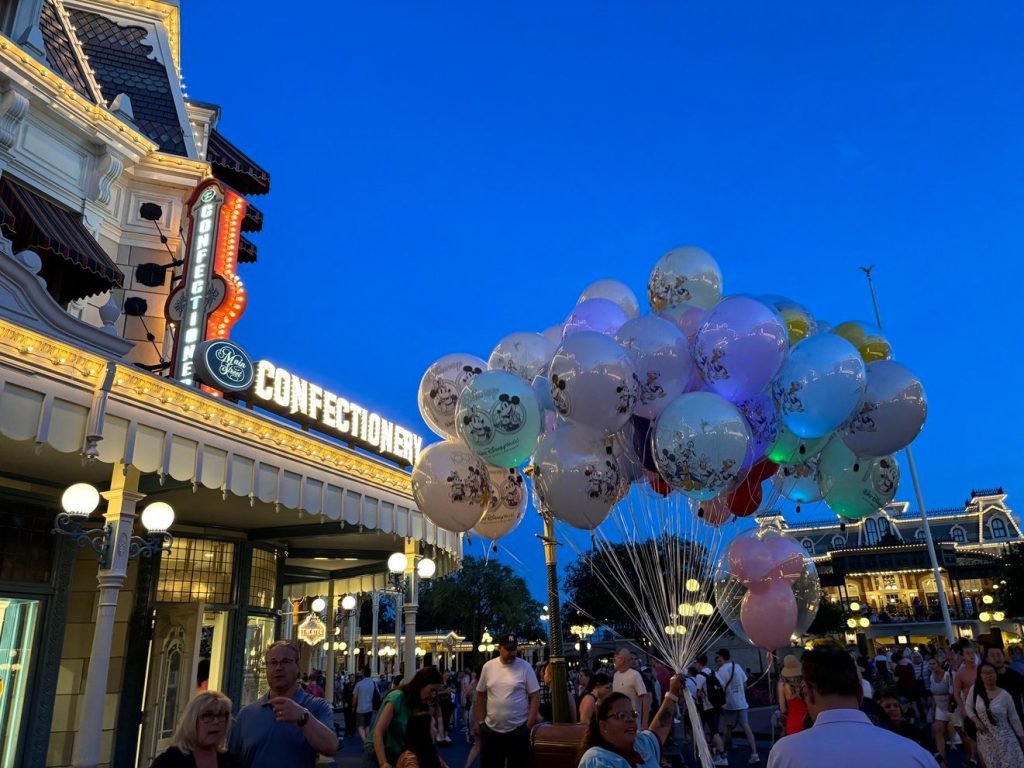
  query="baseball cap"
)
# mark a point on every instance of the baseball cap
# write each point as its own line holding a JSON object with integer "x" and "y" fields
{"x": 508, "y": 640}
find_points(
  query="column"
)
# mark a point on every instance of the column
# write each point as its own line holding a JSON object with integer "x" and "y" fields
{"x": 396, "y": 660}
{"x": 409, "y": 610}
{"x": 332, "y": 613}
{"x": 556, "y": 657}
{"x": 353, "y": 639}
{"x": 374, "y": 639}
{"x": 119, "y": 518}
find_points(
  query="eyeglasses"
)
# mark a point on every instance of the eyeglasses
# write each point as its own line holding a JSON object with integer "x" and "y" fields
{"x": 212, "y": 717}
{"x": 280, "y": 662}
{"x": 623, "y": 716}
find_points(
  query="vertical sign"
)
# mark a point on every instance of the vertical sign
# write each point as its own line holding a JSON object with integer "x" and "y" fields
{"x": 210, "y": 297}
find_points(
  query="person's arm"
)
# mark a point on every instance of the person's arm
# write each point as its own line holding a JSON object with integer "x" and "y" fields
{"x": 586, "y": 707}
{"x": 572, "y": 707}
{"x": 780, "y": 693}
{"x": 320, "y": 736}
{"x": 479, "y": 712}
{"x": 661, "y": 725}
{"x": 387, "y": 714}
{"x": 1014, "y": 718}
{"x": 532, "y": 718}
{"x": 645, "y": 709}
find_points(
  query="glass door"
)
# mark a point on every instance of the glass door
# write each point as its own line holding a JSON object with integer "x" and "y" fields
{"x": 18, "y": 620}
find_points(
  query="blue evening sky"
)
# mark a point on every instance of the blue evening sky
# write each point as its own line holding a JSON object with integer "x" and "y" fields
{"x": 445, "y": 173}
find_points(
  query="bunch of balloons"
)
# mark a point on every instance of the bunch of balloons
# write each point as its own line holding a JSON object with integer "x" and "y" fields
{"x": 766, "y": 588}
{"x": 708, "y": 395}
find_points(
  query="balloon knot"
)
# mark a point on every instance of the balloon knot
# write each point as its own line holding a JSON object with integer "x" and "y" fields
{"x": 856, "y": 466}
{"x": 700, "y": 511}
{"x": 798, "y": 509}
{"x": 803, "y": 448}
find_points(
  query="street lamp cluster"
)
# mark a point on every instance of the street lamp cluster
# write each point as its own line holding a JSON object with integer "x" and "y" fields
{"x": 487, "y": 644}
{"x": 855, "y": 622}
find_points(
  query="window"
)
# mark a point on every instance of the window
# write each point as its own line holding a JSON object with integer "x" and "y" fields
{"x": 196, "y": 570}
{"x": 838, "y": 542}
{"x": 808, "y": 545}
{"x": 919, "y": 534}
{"x": 958, "y": 534}
{"x": 870, "y": 531}
{"x": 998, "y": 526}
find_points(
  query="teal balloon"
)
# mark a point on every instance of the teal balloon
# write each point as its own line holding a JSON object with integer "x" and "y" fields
{"x": 498, "y": 418}
{"x": 855, "y": 486}
{"x": 787, "y": 448}
{"x": 798, "y": 482}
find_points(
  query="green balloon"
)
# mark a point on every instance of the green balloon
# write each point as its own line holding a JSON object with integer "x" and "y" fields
{"x": 854, "y": 486}
{"x": 787, "y": 448}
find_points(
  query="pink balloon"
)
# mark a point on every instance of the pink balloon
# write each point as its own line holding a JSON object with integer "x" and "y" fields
{"x": 769, "y": 617}
{"x": 787, "y": 558}
{"x": 750, "y": 560}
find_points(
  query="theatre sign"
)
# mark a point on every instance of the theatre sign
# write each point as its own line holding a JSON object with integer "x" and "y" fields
{"x": 278, "y": 391}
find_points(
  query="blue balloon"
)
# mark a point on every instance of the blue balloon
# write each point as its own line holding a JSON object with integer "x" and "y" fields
{"x": 498, "y": 418}
{"x": 820, "y": 385}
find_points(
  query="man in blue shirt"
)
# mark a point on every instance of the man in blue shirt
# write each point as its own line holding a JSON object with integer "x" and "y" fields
{"x": 287, "y": 726}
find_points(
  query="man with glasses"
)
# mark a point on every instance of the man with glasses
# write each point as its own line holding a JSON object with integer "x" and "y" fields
{"x": 842, "y": 736}
{"x": 287, "y": 726}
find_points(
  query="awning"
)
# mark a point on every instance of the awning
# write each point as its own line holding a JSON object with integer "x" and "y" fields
{"x": 232, "y": 166}
{"x": 253, "y": 219}
{"x": 246, "y": 251}
{"x": 44, "y": 227}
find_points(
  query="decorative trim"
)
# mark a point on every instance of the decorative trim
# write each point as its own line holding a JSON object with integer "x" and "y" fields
{"x": 106, "y": 171}
{"x": 13, "y": 108}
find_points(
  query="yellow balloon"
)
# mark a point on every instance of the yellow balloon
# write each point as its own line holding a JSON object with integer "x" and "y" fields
{"x": 868, "y": 340}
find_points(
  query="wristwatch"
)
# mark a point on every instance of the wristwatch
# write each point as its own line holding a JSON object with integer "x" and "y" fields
{"x": 305, "y": 717}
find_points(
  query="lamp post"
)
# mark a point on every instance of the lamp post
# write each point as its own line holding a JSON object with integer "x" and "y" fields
{"x": 348, "y": 604}
{"x": 115, "y": 546}
{"x": 582, "y": 633}
{"x": 407, "y": 569}
{"x": 939, "y": 587}
{"x": 487, "y": 644}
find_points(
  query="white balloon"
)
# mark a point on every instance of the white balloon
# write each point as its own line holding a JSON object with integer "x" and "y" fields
{"x": 451, "y": 486}
{"x": 685, "y": 274}
{"x": 891, "y": 414}
{"x": 576, "y": 477}
{"x": 507, "y": 506}
{"x": 662, "y": 359}
{"x": 523, "y": 353}
{"x": 593, "y": 382}
{"x": 440, "y": 388}
{"x": 615, "y": 291}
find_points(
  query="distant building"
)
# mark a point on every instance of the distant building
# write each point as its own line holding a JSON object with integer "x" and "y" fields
{"x": 880, "y": 566}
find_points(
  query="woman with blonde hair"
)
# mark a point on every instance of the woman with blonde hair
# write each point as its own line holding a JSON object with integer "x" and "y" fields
{"x": 200, "y": 740}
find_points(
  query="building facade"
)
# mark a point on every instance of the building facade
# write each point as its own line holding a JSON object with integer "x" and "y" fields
{"x": 102, "y": 155}
{"x": 880, "y": 566}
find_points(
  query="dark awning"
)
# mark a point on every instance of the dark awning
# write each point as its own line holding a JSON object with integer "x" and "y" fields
{"x": 232, "y": 166}
{"x": 36, "y": 223}
{"x": 253, "y": 220}
{"x": 246, "y": 251}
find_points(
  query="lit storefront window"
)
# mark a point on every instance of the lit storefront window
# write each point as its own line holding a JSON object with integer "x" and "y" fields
{"x": 258, "y": 635}
{"x": 17, "y": 633}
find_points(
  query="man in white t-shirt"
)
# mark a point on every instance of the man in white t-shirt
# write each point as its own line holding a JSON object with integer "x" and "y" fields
{"x": 734, "y": 713}
{"x": 628, "y": 681}
{"x": 507, "y": 698}
{"x": 362, "y": 703}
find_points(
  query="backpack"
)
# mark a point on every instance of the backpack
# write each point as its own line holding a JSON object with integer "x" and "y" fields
{"x": 716, "y": 693}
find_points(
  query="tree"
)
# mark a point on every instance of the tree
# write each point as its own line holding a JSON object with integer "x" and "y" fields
{"x": 831, "y": 619}
{"x": 484, "y": 594}
{"x": 1011, "y": 590}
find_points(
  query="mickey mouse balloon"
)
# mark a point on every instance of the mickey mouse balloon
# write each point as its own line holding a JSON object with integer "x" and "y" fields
{"x": 507, "y": 506}
{"x": 451, "y": 486}
{"x": 440, "y": 388}
{"x": 498, "y": 418}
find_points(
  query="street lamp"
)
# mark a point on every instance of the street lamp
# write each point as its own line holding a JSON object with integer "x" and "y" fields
{"x": 114, "y": 546}
{"x": 406, "y": 591}
{"x": 487, "y": 644}
{"x": 582, "y": 633}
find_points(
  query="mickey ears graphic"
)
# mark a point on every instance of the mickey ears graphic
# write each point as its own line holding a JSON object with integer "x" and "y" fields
{"x": 559, "y": 382}
{"x": 471, "y": 369}
{"x": 433, "y": 394}
{"x": 514, "y": 400}
{"x": 467, "y": 418}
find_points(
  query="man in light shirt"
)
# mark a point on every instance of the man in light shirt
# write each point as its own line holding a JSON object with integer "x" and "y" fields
{"x": 734, "y": 713}
{"x": 628, "y": 681}
{"x": 842, "y": 736}
{"x": 507, "y": 699}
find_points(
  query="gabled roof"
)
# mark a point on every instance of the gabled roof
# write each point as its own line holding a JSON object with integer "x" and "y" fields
{"x": 61, "y": 53}
{"x": 123, "y": 63}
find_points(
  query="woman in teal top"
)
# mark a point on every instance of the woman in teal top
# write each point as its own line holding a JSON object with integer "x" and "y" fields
{"x": 386, "y": 739}
{"x": 612, "y": 739}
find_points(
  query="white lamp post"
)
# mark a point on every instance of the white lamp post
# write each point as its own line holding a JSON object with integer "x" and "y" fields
{"x": 399, "y": 566}
{"x": 115, "y": 546}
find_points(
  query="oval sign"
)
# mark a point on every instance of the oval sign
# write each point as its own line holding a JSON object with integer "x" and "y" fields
{"x": 224, "y": 365}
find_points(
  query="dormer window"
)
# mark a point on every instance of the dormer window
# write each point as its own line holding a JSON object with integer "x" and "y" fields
{"x": 870, "y": 531}
{"x": 838, "y": 542}
{"x": 958, "y": 534}
{"x": 808, "y": 545}
{"x": 998, "y": 527}
{"x": 919, "y": 534}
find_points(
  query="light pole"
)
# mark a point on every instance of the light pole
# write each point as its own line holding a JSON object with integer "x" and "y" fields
{"x": 487, "y": 644}
{"x": 115, "y": 546}
{"x": 348, "y": 604}
{"x": 939, "y": 587}
{"x": 582, "y": 633}
{"x": 407, "y": 569}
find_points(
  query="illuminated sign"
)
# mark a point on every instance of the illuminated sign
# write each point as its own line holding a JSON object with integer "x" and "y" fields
{"x": 223, "y": 365}
{"x": 291, "y": 396}
{"x": 210, "y": 298}
{"x": 312, "y": 630}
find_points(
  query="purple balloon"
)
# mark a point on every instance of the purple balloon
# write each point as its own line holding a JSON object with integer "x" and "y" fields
{"x": 759, "y": 411}
{"x": 740, "y": 347}
{"x": 601, "y": 315}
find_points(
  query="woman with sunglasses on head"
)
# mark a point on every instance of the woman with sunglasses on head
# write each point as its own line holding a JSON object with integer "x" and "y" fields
{"x": 200, "y": 739}
{"x": 613, "y": 738}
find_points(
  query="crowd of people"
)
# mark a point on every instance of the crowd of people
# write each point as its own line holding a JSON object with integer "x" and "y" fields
{"x": 836, "y": 707}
